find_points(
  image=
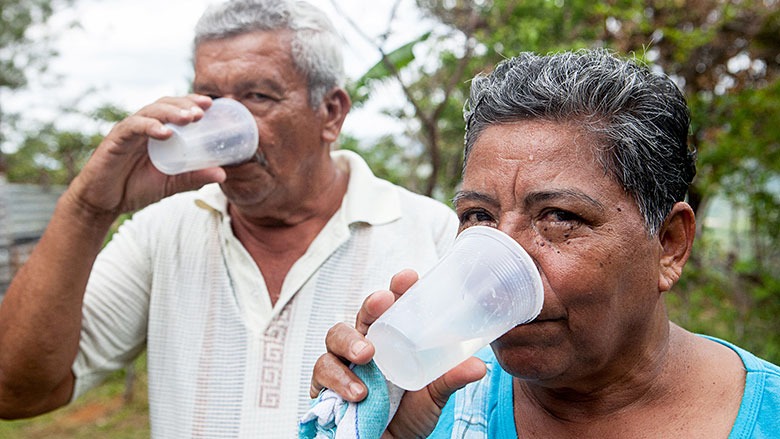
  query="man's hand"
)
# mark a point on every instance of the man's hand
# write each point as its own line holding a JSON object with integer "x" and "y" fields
{"x": 40, "y": 320}
{"x": 419, "y": 411}
{"x": 120, "y": 177}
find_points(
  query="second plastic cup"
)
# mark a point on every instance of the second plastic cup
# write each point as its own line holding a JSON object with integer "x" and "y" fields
{"x": 225, "y": 135}
{"x": 485, "y": 286}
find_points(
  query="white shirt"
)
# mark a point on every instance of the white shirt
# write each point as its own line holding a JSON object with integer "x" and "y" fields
{"x": 222, "y": 361}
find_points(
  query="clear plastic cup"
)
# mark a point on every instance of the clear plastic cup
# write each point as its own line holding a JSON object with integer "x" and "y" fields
{"x": 225, "y": 135}
{"x": 485, "y": 286}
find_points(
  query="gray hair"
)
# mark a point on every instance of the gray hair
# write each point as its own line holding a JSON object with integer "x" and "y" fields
{"x": 316, "y": 46}
{"x": 641, "y": 116}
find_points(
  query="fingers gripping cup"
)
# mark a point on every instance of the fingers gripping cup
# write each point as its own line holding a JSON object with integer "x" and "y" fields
{"x": 225, "y": 135}
{"x": 485, "y": 286}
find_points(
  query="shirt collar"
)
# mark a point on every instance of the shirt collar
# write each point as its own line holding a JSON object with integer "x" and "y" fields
{"x": 368, "y": 199}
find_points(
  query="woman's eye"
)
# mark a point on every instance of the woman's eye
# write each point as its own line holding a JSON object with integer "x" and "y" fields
{"x": 557, "y": 225}
{"x": 557, "y": 215}
{"x": 476, "y": 216}
{"x": 258, "y": 97}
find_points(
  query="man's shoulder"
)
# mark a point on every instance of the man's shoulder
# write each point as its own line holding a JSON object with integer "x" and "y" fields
{"x": 421, "y": 209}
{"x": 372, "y": 197}
{"x": 414, "y": 198}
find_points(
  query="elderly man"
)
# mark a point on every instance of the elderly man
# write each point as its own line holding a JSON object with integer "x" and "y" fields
{"x": 582, "y": 158}
{"x": 232, "y": 287}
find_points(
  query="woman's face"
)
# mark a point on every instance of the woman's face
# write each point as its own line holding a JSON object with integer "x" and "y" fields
{"x": 540, "y": 183}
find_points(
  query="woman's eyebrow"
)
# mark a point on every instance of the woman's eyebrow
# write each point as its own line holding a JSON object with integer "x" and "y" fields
{"x": 461, "y": 196}
{"x": 563, "y": 194}
{"x": 530, "y": 199}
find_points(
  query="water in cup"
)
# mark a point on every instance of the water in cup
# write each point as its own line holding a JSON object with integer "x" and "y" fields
{"x": 485, "y": 286}
{"x": 404, "y": 362}
{"x": 225, "y": 135}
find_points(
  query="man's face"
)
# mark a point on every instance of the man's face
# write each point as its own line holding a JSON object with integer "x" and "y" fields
{"x": 257, "y": 69}
{"x": 540, "y": 183}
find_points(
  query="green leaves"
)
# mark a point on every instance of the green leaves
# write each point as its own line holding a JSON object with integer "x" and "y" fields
{"x": 385, "y": 69}
{"x": 50, "y": 156}
{"x": 17, "y": 51}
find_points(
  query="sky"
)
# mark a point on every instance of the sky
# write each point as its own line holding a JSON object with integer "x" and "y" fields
{"x": 131, "y": 52}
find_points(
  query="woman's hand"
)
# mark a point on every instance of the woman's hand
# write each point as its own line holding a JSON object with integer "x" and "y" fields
{"x": 419, "y": 411}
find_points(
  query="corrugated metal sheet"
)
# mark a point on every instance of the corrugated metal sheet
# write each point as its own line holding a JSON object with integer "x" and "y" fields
{"x": 25, "y": 210}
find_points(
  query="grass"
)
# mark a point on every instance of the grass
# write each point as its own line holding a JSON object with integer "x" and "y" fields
{"x": 112, "y": 410}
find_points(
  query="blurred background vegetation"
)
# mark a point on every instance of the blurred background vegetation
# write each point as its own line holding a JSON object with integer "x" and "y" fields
{"x": 724, "y": 54}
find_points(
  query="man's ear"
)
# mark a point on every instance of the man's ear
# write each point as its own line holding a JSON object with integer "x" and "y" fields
{"x": 676, "y": 238}
{"x": 336, "y": 105}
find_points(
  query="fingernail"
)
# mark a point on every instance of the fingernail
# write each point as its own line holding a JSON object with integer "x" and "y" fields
{"x": 355, "y": 389}
{"x": 185, "y": 113}
{"x": 195, "y": 110}
{"x": 358, "y": 347}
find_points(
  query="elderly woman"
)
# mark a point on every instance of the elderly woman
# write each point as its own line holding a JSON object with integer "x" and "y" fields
{"x": 582, "y": 158}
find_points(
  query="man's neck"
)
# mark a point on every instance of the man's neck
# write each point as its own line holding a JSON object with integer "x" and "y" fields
{"x": 277, "y": 241}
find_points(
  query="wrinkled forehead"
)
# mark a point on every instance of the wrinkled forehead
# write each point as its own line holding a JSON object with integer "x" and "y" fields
{"x": 536, "y": 155}
{"x": 536, "y": 143}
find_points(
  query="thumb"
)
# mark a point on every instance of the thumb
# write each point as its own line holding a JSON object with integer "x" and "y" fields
{"x": 419, "y": 411}
{"x": 466, "y": 372}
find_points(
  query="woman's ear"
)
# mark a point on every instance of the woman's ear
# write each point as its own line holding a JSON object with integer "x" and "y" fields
{"x": 676, "y": 238}
{"x": 336, "y": 105}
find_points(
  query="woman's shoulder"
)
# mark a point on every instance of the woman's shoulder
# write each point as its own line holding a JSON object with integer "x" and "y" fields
{"x": 760, "y": 402}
